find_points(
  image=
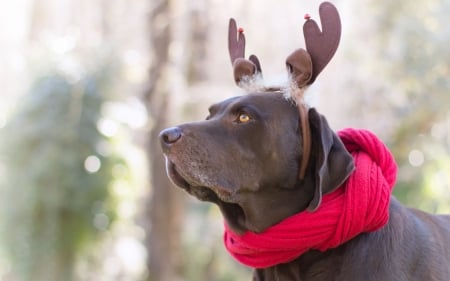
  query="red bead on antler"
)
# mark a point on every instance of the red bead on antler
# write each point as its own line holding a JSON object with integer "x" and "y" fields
{"x": 307, "y": 16}
{"x": 241, "y": 30}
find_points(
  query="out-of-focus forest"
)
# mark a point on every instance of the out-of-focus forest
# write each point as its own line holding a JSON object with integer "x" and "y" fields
{"x": 87, "y": 85}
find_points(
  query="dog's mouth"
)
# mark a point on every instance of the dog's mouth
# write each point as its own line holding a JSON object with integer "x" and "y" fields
{"x": 232, "y": 212}
{"x": 202, "y": 192}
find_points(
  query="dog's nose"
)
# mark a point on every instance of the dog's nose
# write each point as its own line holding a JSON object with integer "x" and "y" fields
{"x": 170, "y": 135}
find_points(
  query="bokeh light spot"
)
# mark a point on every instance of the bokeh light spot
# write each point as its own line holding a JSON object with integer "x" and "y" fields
{"x": 416, "y": 158}
{"x": 92, "y": 164}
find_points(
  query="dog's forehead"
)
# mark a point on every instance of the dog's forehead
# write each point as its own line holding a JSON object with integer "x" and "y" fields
{"x": 258, "y": 100}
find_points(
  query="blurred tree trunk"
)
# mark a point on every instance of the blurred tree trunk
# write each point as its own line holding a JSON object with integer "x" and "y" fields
{"x": 164, "y": 206}
{"x": 196, "y": 70}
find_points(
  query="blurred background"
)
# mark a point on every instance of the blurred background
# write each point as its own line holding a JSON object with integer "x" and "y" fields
{"x": 87, "y": 85}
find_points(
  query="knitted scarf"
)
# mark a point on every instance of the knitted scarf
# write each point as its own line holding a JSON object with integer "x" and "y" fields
{"x": 360, "y": 205}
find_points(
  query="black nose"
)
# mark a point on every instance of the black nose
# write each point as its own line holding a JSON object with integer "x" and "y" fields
{"x": 170, "y": 135}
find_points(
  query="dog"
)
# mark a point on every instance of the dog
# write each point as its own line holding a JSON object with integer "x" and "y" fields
{"x": 264, "y": 157}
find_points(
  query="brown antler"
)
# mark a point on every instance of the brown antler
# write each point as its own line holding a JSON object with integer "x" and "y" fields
{"x": 305, "y": 66}
{"x": 236, "y": 46}
{"x": 322, "y": 46}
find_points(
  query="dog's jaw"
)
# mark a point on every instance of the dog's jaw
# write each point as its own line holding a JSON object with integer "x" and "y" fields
{"x": 202, "y": 191}
{"x": 232, "y": 212}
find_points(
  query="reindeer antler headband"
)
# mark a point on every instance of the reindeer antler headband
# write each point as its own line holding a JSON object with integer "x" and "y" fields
{"x": 303, "y": 65}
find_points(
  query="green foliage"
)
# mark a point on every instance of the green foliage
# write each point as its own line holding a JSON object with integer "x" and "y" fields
{"x": 204, "y": 258}
{"x": 412, "y": 42}
{"x": 54, "y": 195}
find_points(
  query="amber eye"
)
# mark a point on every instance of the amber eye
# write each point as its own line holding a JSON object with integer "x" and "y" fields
{"x": 244, "y": 117}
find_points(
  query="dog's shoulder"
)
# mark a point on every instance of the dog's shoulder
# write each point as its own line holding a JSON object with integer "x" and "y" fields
{"x": 410, "y": 238}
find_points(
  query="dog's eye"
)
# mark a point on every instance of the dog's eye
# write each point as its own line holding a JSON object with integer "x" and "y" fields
{"x": 243, "y": 118}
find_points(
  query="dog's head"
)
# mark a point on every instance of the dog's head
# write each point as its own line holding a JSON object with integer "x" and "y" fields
{"x": 259, "y": 157}
{"x": 246, "y": 156}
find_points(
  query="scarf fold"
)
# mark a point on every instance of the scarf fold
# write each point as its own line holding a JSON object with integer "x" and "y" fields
{"x": 360, "y": 205}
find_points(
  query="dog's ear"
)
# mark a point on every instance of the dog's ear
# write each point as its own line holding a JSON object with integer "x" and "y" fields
{"x": 332, "y": 163}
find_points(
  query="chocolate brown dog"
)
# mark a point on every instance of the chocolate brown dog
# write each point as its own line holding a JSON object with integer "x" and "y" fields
{"x": 245, "y": 158}
{"x": 248, "y": 157}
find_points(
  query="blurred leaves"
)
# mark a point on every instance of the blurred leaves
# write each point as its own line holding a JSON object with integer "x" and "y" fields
{"x": 57, "y": 176}
{"x": 412, "y": 40}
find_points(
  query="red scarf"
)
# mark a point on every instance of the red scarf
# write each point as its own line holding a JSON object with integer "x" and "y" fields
{"x": 360, "y": 205}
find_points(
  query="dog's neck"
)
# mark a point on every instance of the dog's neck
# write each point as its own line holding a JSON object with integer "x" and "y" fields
{"x": 360, "y": 205}
{"x": 256, "y": 217}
